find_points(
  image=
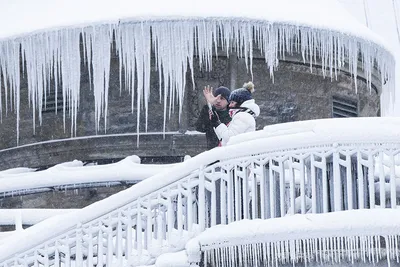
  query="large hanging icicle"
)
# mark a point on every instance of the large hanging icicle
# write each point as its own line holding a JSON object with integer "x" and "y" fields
{"x": 53, "y": 57}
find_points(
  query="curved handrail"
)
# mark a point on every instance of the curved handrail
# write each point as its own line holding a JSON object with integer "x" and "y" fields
{"x": 263, "y": 178}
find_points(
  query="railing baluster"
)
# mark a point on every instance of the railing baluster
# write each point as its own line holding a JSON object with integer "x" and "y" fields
{"x": 67, "y": 259}
{"x": 35, "y": 259}
{"x": 282, "y": 187}
{"x": 245, "y": 193}
{"x": 90, "y": 247}
{"x": 170, "y": 217}
{"x": 189, "y": 214}
{"x": 223, "y": 196}
{"x": 100, "y": 261}
{"x": 382, "y": 189}
{"x": 349, "y": 183}
{"x": 291, "y": 187}
{"x": 110, "y": 246}
{"x": 202, "y": 200}
{"x": 271, "y": 189}
{"x": 179, "y": 210}
{"x": 237, "y": 194}
{"x": 56, "y": 255}
{"x": 78, "y": 246}
{"x": 337, "y": 183}
{"x": 262, "y": 191}
{"x": 119, "y": 239}
{"x": 313, "y": 185}
{"x": 231, "y": 177}
{"x": 360, "y": 177}
{"x": 129, "y": 236}
{"x": 139, "y": 237}
{"x": 254, "y": 199}
{"x": 392, "y": 182}
{"x": 46, "y": 262}
{"x": 325, "y": 190}
{"x": 302, "y": 186}
{"x": 149, "y": 225}
{"x": 371, "y": 180}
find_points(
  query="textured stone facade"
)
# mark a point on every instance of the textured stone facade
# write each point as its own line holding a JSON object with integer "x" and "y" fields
{"x": 293, "y": 93}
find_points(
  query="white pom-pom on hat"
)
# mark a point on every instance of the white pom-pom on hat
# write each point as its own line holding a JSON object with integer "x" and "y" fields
{"x": 249, "y": 86}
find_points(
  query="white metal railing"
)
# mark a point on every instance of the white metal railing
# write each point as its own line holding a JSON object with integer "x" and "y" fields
{"x": 334, "y": 239}
{"x": 324, "y": 166}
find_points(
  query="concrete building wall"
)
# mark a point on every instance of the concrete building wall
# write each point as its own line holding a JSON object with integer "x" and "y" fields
{"x": 293, "y": 93}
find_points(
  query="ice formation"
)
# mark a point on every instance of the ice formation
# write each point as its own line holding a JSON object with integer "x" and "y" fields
{"x": 359, "y": 236}
{"x": 52, "y": 59}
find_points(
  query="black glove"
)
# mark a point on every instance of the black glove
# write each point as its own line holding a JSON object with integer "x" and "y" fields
{"x": 214, "y": 118}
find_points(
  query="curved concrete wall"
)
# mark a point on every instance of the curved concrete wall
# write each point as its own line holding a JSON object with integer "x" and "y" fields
{"x": 294, "y": 93}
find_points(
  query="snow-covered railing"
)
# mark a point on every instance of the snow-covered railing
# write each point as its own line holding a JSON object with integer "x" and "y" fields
{"x": 75, "y": 175}
{"x": 323, "y": 166}
{"x": 331, "y": 238}
{"x": 20, "y": 217}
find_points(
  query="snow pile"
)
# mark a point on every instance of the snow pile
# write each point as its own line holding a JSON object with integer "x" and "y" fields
{"x": 176, "y": 31}
{"x": 349, "y": 236}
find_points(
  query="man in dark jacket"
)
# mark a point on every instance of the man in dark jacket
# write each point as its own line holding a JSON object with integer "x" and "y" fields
{"x": 220, "y": 107}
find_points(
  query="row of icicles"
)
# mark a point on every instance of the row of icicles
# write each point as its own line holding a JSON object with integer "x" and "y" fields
{"x": 53, "y": 59}
{"x": 327, "y": 250}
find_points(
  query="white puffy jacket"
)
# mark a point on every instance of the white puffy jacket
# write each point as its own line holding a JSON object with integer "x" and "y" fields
{"x": 242, "y": 122}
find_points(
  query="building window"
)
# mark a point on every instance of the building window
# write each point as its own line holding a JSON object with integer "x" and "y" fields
{"x": 344, "y": 107}
{"x": 52, "y": 104}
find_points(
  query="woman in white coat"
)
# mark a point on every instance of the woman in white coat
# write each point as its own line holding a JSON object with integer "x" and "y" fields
{"x": 243, "y": 110}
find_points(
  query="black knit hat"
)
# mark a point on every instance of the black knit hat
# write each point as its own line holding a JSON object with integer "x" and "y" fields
{"x": 223, "y": 91}
{"x": 242, "y": 94}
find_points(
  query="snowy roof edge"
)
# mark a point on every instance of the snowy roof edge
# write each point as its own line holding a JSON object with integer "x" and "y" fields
{"x": 371, "y": 37}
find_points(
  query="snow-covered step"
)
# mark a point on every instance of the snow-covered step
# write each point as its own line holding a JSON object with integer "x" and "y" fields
{"x": 173, "y": 259}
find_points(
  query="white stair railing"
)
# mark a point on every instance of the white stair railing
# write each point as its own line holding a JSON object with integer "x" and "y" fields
{"x": 315, "y": 170}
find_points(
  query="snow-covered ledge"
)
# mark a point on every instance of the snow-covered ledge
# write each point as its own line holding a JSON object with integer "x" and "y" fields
{"x": 348, "y": 236}
{"x": 50, "y": 35}
{"x": 74, "y": 175}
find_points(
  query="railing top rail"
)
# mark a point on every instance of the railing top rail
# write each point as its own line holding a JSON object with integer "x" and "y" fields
{"x": 337, "y": 130}
{"x": 363, "y": 131}
{"x": 70, "y": 173}
{"x": 355, "y": 229}
{"x": 302, "y": 226}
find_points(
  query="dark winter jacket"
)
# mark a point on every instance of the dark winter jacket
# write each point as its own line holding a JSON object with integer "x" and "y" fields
{"x": 203, "y": 125}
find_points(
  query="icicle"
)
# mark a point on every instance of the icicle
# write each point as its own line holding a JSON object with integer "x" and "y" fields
{"x": 55, "y": 55}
